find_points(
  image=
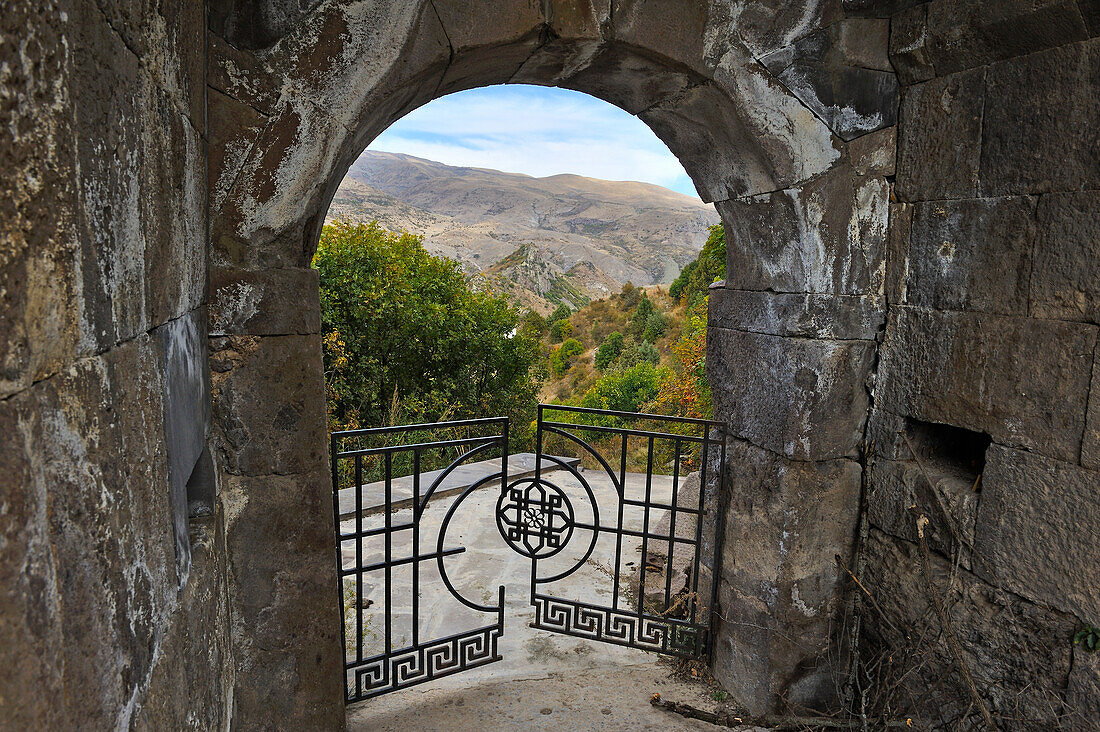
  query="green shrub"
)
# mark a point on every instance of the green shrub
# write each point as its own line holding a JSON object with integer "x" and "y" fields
{"x": 609, "y": 350}
{"x": 563, "y": 356}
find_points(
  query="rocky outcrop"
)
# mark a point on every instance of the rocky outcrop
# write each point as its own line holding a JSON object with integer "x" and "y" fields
{"x": 485, "y": 219}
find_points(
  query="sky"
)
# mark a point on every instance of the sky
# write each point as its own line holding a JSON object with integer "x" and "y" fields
{"x": 539, "y": 131}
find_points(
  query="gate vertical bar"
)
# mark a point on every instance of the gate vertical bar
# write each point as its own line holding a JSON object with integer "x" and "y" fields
{"x": 416, "y": 549}
{"x": 358, "y": 564}
{"x": 719, "y": 539}
{"x": 389, "y": 553}
{"x": 671, "y": 552}
{"x": 333, "y": 442}
{"x": 538, "y": 476}
{"x": 645, "y": 537}
{"x": 505, "y": 455}
{"x": 703, "y": 454}
{"x": 619, "y": 525}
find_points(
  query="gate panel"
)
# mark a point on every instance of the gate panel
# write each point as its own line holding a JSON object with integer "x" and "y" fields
{"x": 652, "y": 486}
{"x": 384, "y": 480}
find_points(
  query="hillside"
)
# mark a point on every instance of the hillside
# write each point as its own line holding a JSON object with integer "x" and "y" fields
{"x": 544, "y": 241}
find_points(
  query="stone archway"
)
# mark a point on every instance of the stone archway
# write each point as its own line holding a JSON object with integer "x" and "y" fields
{"x": 781, "y": 113}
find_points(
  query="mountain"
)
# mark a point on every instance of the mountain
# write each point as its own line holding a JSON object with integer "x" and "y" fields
{"x": 563, "y": 238}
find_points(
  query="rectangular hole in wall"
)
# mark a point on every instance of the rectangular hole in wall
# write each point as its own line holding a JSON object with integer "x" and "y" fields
{"x": 949, "y": 452}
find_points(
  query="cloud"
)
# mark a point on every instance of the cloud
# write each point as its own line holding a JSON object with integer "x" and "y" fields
{"x": 538, "y": 131}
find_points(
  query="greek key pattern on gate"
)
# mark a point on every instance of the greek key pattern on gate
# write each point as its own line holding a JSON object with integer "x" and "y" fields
{"x": 621, "y": 628}
{"x": 428, "y": 661}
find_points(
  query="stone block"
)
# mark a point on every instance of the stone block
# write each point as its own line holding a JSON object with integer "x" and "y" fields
{"x": 972, "y": 255}
{"x": 284, "y": 599}
{"x": 241, "y": 76}
{"x": 940, "y": 141}
{"x": 464, "y": 21}
{"x": 864, "y": 43}
{"x": 40, "y": 309}
{"x": 195, "y": 650}
{"x": 234, "y": 129}
{"x": 1017, "y": 651}
{"x": 263, "y": 217}
{"x": 578, "y": 18}
{"x": 840, "y": 317}
{"x": 805, "y": 399}
{"x": 704, "y": 130}
{"x": 964, "y": 34}
{"x": 83, "y": 599}
{"x": 780, "y": 583}
{"x": 876, "y": 153}
{"x": 1090, "y": 445}
{"x": 825, "y": 71}
{"x": 1090, "y": 12}
{"x": 622, "y": 76}
{"x": 246, "y": 26}
{"x": 897, "y": 253}
{"x": 909, "y": 52}
{"x": 173, "y": 215}
{"x": 269, "y": 404}
{"x": 795, "y": 143}
{"x": 264, "y": 302}
{"x": 668, "y": 28}
{"x": 1083, "y": 694}
{"x": 1065, "y": 276}
{"x": 488, "y": 65}
{"x": 1022, "y": 381}
{"x": 877, "y": 8}
{"x": 769, "y": 25}
{"x": 885, "y": 435}
{"x": 1038, "y": 530}
{"x": 108, "y": 87}
{"x": 1039, "y": 134}
{"x": 827, "y": 236}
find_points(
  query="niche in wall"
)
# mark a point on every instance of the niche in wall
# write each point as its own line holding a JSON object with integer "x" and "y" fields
{"x": 949, "y": 452}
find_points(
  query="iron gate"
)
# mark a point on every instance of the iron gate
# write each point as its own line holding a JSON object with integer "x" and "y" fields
{"x": 616, "y": 512}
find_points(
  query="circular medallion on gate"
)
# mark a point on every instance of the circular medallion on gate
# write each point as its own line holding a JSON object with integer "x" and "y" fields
{"x": 535, "y": 517}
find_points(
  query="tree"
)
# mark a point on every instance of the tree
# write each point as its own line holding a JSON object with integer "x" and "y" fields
{"x": 695, "y": 279}
{"x": 560, "y": 330}
{"x": 641, "y": 316}
{"x": 609, "y": 350}
{"x": 404, "y": 327}
{"x": 630, "y": 295}
{"x": 533, "y": 323}
{"x": 655, "y": 326}
{"x": 628, "y": 390}
{"x": 562, "y": 357}
{"x": 639, "y": 352}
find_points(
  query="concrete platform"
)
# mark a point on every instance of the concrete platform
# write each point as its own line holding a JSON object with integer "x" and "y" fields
{"x": 607, "y": 697}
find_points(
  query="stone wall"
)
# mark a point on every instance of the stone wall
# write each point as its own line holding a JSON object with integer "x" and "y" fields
{"x": 984, "y": 410}
{"x": 910, "y": 196}
{"x": 112, "y": 592}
